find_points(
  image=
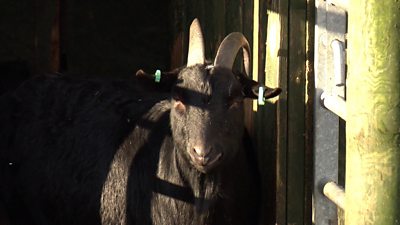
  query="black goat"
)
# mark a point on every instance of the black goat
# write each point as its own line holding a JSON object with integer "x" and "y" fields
{"x": 94, "y": 152}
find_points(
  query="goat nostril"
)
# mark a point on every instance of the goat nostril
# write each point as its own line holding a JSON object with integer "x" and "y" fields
{"x": 198, "y": 152}
{"x": 201, "y": 152}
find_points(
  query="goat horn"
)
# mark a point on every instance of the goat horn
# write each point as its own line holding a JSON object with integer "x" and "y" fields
{"x": 228, "y": 50}
{"x": 196, "y": 44}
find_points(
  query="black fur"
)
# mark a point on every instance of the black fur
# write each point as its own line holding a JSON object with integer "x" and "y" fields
{"x": 96, "y": 152}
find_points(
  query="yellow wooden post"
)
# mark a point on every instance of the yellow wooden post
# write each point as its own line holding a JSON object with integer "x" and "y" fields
{"x": 373, "y": 121}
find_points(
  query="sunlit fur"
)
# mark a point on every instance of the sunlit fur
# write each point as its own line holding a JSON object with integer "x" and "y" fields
{"x": 92, "y": 152}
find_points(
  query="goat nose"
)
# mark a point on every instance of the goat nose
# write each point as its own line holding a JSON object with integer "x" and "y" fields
{"x": 201, "y": 151}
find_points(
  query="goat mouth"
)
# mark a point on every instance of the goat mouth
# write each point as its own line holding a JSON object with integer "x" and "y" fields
{"x": 207, "y": 163}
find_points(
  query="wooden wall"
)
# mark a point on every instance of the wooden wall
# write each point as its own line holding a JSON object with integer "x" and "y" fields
{"x": 289, "y": 64}
{"x": 95, "y": 38}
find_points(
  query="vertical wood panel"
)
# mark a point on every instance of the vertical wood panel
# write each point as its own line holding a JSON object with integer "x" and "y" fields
{"x": 309, "y": 109}
{"x": 179, "y": 31}
{"x": 256, "y": 30}
{"x": 265, "y": 122}
{"x": 296, "y": 112}
{"x": 248, "y": 32}
{"x": 55, "y": 51}
{"x": 276, "y": 69}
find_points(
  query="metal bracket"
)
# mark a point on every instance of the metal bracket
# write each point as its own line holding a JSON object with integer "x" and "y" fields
{"x": 335, "y": 104}
{"x": 339, "y": 68}
{"x": 335, "y": 193}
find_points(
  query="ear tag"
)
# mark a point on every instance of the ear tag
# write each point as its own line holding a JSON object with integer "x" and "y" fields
{"x": 261, "y": 100}
{"x": 157, "y": 77}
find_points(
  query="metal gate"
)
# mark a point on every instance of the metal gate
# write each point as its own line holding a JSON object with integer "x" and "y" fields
{"x": 357, "y": 112}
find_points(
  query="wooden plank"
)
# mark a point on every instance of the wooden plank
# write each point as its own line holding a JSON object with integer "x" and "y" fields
{"x": 179, "y": 33}
{"x": 262, "y": 36}
{"x": 296, "y": 112}
{"x": 212, "y": 22}
{"x": 233, "y": 16}
{"x": 44, "y": 17}
{"x": 342, "y": 165}
{"x": 266, "y": 129}
{"x": 55, "y": 46}
{"x": 248, "y": 32}
{"x": 247, "y": 20}
{"x": 276, "y": 63}
{"x": 266, "y": 125}
{"x": 234, "y": 23}
{"x": 18, "y": 33}
{"x": 309, "y": 115}
{"x": 256, "y": 30}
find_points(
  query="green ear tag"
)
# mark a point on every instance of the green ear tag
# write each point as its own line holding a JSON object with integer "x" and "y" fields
{"x": 261, "y": 100}
{"x": 157, "y": 77}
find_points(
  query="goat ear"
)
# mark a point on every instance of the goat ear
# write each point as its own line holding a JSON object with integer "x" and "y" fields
{"x": 167, "y": 79}
{"x": 250, "y": 87}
